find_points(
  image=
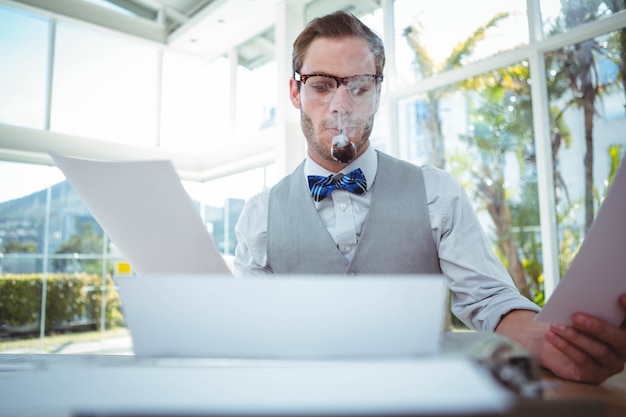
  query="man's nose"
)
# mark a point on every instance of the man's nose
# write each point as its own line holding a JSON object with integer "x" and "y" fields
{"x": 341, "y": 102}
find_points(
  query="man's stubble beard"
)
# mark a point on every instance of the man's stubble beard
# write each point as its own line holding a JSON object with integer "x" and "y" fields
{"x": 319, "y": 148}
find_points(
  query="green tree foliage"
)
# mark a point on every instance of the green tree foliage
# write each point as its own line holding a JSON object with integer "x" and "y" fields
{"x": 426, "y": 66}
{"x": 15, "y": 246}
{"x": 89, "y": 242}
{"x": 499, "y": 116}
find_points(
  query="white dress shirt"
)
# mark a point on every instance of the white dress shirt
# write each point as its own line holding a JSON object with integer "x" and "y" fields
{"x": 482, "y": 290}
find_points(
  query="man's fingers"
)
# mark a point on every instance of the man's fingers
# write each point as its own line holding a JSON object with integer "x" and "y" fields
{"x": 614, "y": 338}
{"x": 588, "y": 353}
{"x": 557, "y": 336}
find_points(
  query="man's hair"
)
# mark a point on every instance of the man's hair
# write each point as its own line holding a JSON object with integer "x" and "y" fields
{"x": 339, "y": 24}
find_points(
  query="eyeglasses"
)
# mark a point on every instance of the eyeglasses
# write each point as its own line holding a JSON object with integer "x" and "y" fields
{"x": 322, "y": 87}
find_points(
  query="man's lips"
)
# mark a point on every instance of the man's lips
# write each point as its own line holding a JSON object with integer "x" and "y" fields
{"x": 345, "y": 130}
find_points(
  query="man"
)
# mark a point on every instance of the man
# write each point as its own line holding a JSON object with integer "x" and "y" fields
{"x": 392, "y": 216}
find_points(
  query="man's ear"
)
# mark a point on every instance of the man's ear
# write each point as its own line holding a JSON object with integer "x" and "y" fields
{"x": 294, "y": 93}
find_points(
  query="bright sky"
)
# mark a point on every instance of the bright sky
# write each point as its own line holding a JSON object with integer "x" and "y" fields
{"x": 19, "y": 180}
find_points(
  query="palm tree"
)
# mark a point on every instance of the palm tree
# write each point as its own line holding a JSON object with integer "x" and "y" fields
{"x": 616, "y": 6}
{"x": 426, "y": 66}
{"x": 495, "y": 134}
{"x": 577, "y": 67}
{"x": 500, "y": 114}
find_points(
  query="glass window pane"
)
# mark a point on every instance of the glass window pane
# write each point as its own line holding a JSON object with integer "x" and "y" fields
{"x": 222, "y": 201}
{"x": 39, "y": 208}
{"x": 562, "y": 15}
{"x": 256, "y": 99}
{"x": 195, "y": 103}
{"x": 23, "y": 48}
{"x": 587, "y": 123}
{"x": 256, "y": 88}
{"x": 105, "y": 87}
{"x": 481, "y": 132}
{"x": 426, "y": 45}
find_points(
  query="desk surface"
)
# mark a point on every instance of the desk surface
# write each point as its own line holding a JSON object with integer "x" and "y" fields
{"x": 325, "y": 390}
{"x": 611, "y": 394}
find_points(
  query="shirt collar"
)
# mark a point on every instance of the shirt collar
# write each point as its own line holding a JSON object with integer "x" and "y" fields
{"x": 368, "y": 162}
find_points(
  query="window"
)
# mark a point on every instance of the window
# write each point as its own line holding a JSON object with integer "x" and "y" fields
{"x": 222, "y": 201}
{"x": 447, "y": 40}
{"x": 479, "y": 132}
{"x": 586, "y": 95}
{"x": 23, "y": 72}
{"x": 52, "y": 258}
{"x": 256, "y": 85}
{"x": 562, "y": 15}
{"x": 195, "y": 109}
{"x": 51, "y": 245}
{"x": 257, "y": 92}
{"x": 104, "y": 87}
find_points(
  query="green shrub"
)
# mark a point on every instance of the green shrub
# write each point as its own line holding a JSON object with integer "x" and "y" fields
{"x": 70, "y": 299}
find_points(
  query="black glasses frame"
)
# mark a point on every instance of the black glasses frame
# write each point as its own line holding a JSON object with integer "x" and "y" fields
{"x": 340, "y": 80}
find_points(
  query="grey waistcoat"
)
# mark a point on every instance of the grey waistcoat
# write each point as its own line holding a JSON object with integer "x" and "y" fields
{"x": 396, "y": 237}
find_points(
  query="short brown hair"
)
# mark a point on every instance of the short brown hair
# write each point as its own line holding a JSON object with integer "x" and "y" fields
{"x": 339, "y": 24}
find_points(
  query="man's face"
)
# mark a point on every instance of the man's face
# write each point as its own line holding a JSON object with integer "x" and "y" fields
{"x": 344, "y": 111}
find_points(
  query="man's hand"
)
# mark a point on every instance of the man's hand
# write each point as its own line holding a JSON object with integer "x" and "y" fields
{"x": 591, "y": 350}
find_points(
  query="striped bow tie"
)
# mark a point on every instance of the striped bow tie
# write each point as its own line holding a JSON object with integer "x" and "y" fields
{"x": 321, "y": 187}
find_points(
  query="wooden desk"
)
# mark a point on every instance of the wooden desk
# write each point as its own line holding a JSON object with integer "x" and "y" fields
{"x": 609, "y": 397}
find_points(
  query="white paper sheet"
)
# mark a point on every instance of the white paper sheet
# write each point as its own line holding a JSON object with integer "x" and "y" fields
{"x": 597, "y": 276}
{"x": 285, "y": 316}
{"x": 433, "y": 386}
{"x": 146, "y": 212}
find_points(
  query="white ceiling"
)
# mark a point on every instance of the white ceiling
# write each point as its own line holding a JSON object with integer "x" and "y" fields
{"x": 208, "y": 28}
{"x": 224, "y": 23}
{"x": 205, "y": 27}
